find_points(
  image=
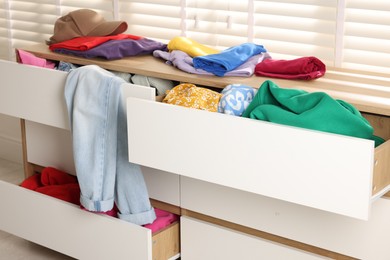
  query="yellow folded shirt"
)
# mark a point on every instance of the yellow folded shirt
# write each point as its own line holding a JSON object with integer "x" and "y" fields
{"x": 190, "y": 47}
{"x": 189, "y": 95}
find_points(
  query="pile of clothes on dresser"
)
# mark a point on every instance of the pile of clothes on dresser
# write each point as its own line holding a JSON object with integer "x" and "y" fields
{"x": 85, "y": 33}
{"x": 97, "y": 113}
{"x": 243, "y": 60}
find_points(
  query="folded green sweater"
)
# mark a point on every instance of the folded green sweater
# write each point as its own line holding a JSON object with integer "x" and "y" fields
{"x": 315, "y": 110}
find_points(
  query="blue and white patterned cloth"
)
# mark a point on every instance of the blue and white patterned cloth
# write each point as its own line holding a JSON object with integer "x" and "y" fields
{"x": 235, "y": 99}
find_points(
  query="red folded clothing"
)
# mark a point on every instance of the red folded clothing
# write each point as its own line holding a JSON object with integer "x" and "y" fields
{"x": 89, "y": 42}
{"x": 305, "y": 68}
{"x": 67, "y": 192}
{"x": 63, "y": 186}
{"x": 54, "y": 183}
{"x": 52, "y": 176}
{"x": 33, "y": 182}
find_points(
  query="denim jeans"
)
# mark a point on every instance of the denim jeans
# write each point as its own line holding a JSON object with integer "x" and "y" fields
{"x": 97, "y": 115}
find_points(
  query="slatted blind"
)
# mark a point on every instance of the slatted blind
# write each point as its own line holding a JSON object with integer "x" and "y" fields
{"x": 30, "y": 21}
{"x": 4, "y": 53}
{"x": 351, "y": 34}
{"x": 104, "y": 7}
{"x": 160, "y": 20}
{"x": 219, "y": 23}
{"x": 295, "y": 28}
{"x": 366, "y": 42}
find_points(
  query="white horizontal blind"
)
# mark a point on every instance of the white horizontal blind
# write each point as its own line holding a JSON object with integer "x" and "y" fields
{"x": 160, "y": 20}
{"x": 367, "y": 35}
{"x": 219, "y": 23}
{"x": 296, "y": 28}
{"x": 351, "y": 34}
{"x": 31, "y": 21}
{"x": 4, "y": 25}
{"x": 104, "y": 7}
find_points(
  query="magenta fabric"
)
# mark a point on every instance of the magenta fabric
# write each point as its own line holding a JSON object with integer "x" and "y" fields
{"x": 305, "y": 68}
{"x": 164, "y": 219}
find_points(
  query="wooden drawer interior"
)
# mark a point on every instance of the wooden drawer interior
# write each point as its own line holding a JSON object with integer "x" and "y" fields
{"x": 381, "y": 177}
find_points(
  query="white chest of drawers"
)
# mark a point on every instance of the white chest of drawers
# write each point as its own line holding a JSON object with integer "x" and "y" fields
{"x": 243, "y": 179}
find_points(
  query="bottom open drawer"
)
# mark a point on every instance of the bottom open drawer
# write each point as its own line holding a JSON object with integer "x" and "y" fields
{"x": 63, "y": 227}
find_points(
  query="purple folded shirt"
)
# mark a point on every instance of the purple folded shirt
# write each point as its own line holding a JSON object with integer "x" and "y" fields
{"x": 117, "y": 49}
{"x": 184, "y": 62}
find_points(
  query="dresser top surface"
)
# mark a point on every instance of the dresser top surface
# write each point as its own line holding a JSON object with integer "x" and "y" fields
{"x": 369, "y": 93}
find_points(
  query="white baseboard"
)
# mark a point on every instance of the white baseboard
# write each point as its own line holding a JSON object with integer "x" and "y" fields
{"x": 11, "y": 149}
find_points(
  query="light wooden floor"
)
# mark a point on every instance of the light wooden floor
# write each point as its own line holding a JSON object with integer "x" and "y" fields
{"x": 15, "y": 248}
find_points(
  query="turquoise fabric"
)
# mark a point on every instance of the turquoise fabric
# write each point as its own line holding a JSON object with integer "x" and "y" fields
{"x": 315, "y": 110}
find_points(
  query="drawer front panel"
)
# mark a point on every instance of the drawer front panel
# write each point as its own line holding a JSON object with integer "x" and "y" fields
{"x": 332, "y": 232}
{"x": 162, "y": 186}
{"x": 33, "y": 93}
{"x": 37, "y": 94}
{"x": 68, "y": 229}
{"x": 315, "y": 169}
{"x": 201, "y": 240}
{"x": 51, "y": 146}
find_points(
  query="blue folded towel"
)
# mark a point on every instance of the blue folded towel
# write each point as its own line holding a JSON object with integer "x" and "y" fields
{"x": 227, "y": 60}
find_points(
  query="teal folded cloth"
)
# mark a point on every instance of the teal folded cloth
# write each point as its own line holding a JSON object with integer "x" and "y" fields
{"x": 315, "y": 110}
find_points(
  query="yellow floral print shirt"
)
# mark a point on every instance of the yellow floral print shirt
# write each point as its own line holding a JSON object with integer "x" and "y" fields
{"x": 189, "y": 95}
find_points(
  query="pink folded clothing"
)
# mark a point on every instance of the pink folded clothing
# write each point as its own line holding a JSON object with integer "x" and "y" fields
{"x": 31, "y": 59}
{"x": 305, "y": 68}
{"x": 163, "y": 219}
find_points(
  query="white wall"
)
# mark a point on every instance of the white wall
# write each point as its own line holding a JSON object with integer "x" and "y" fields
{"x": 10, "y": 139}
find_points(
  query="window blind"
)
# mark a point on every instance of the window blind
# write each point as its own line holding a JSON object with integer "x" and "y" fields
{"x": 30, "y": 21}
{"x": 104, "y": 7}
{"x": 291, "y": 29}
{"x": 349, "y": 34}
{"x": 4, "y": 53}
{"x": 219, "y": 23}
{"x": 160, "y": 20}
{"x": 366, "y": 44}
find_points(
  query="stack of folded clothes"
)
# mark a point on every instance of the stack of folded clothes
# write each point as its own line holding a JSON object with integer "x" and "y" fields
{"x": 87, "y": 34}
{"x": 242, "y": 60}
{"x": 192, "y": 57}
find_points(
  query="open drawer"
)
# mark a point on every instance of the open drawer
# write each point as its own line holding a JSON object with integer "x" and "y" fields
{"x": 84, "y": 235}
{"x": 326, "y": 171}
{"x": 36, "y": 95}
